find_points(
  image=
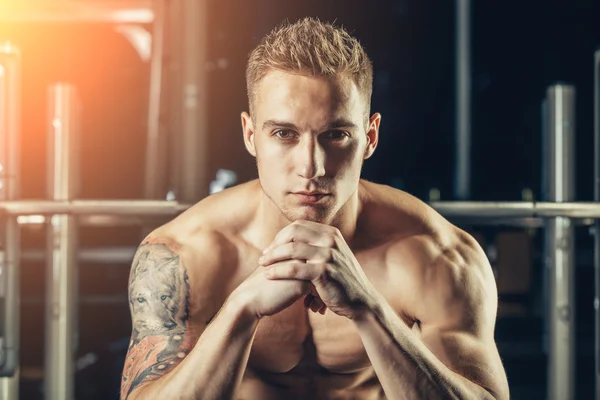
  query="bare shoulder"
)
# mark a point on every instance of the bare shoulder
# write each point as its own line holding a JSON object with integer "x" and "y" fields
{"x": 227, "y": 211}
{"x": 434, "y": 258}
{"x": 451, "y": 272}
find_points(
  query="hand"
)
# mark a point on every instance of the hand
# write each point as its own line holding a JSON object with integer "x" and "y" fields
{"x": 262, "y": 297}
{"x": 308, "y": 251}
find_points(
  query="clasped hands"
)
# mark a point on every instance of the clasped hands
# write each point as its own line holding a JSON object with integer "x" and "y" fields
{"x": 318, "y": 253}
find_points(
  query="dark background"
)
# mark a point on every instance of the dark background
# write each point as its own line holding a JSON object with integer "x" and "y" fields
{"x": 518, "y": 50}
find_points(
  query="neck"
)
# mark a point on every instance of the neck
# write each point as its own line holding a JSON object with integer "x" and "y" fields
{"x": 271, "y": 220}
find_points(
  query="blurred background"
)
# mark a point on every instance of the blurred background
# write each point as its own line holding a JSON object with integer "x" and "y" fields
{"x": 161, "y": 96}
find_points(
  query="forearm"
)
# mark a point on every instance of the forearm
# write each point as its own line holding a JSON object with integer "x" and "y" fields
{"x": 405, "y": 367}
{"x": 215, "y": 366}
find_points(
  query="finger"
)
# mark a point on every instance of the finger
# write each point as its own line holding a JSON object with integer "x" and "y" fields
{"x": 295, "y": 270}
{"x": 296, "y": 251}
{"x": 315, "y": 234}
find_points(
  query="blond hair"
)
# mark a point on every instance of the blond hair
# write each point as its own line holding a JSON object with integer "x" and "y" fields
{"x": 311, "y": 47}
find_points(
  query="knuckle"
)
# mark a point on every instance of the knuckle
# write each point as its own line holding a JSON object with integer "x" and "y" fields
{"x": 331, "y": 242}
{"x": 293, "y": 269}
{"x": 295, "y": 229}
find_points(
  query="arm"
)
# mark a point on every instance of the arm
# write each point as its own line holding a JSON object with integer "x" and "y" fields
{"x": 172, "y": 350}
{"x": 455, "y": 357}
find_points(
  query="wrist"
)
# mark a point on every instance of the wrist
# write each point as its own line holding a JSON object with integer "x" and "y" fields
{"x": 369, "y": 310}
{"x": 239, "y": 308}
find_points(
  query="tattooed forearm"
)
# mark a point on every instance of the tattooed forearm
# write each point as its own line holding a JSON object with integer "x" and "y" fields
{"x": 159, "y": 303}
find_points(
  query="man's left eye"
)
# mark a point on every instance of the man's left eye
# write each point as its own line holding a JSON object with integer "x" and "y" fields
{"x": 336, "y": 134}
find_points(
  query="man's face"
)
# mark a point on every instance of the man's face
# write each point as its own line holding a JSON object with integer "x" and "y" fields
{"x": 309, "y": 135}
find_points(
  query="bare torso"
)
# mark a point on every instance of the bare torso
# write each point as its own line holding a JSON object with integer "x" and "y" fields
{"x": 298, "y": 354}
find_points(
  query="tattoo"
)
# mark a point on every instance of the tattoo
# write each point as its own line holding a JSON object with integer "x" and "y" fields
{"x": 159, "y": 303}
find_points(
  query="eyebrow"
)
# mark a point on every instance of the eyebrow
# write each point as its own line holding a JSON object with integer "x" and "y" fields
{"x": 338, "y": 123}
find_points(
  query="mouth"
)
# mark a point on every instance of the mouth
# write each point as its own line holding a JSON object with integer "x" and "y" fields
{"x": 310, "y": 197}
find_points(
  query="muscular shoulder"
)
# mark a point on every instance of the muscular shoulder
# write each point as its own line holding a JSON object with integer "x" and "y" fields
{"x": 452, "y": 281}
{"x": 392, "y": 213}
{"x": 439, "y": 267}
{"x": 226, "y": 212}
{"x": 190, "y": 268}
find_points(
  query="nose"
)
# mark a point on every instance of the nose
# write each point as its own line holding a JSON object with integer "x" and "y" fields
{"x": 310, "y": 158}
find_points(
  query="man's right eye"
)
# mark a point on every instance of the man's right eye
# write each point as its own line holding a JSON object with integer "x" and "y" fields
{"x": 141, "y": 299}
{"x": 284, "y": 134}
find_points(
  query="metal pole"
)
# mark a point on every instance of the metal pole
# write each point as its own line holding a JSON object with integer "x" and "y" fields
{"x": 194, "y": 151}
{"x": 10, "y": 81}
{"x": 99, "y": 255}
{"x": 63, "y": 167}
{"x": 560, "y": 247}
{"x": 597, "y": 223}
{"x": 462, "y": 172}
{"x": 155, "y": 171}
{"x": 93, "y": 207}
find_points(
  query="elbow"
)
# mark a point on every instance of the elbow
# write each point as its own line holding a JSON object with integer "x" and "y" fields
{"x": 490, "y": 394}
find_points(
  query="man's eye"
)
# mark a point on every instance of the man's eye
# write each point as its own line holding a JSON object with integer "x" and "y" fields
{"x": 282, "y": 134}
{"x": 336, "y": 135}
{"x": 141, "y": 299}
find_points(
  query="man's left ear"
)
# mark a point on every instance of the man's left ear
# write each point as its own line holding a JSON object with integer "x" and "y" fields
{"x": 372, "y": 135}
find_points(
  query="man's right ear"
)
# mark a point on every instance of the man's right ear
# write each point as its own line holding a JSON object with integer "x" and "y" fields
{"x": 248, "y": 131}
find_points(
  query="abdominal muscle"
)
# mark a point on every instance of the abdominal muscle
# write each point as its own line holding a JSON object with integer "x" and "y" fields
{"x": 304, "y": 385}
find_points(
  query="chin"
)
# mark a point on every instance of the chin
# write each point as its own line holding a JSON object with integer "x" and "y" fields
{"x": 322, "y": 216}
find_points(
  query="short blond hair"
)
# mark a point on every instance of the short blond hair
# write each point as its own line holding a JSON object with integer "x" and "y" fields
{"x": 311, "y": 47}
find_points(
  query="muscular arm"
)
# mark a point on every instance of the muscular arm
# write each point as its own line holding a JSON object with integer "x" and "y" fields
{"x": 168, "y": 354}
{"x": 455, "y": 357}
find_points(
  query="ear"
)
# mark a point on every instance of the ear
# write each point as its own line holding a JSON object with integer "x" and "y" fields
{"x": 248, "y": 131}
{"x": 372, "y": 135}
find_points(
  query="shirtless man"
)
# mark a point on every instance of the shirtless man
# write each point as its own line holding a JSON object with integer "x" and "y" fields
{"x": 310, "y": 283}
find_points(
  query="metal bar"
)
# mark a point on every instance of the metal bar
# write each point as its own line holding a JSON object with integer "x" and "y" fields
{"x": 93, "y": 207}
{"x": 155, "y": 171}
{"x": 597, "y": 224}
{"x": 91, "y": 299}
{"x": 462, "y": 172}
{"x": 560, "y": 247}
{"x": 34, "y": 221}
{"x": 61, "y": 336}
{"x": 10, "y": 101}
{"x": 100, "y": 255}
{"x": 474, "y": 210}
{"x": 174, "y": 91}
{"x": 125, "y": 11}
{"x": 194, "y": 149}
{"x": 450, "y": 209}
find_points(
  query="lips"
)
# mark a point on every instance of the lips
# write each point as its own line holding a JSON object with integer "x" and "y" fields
{"x": 310, "y": 197}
